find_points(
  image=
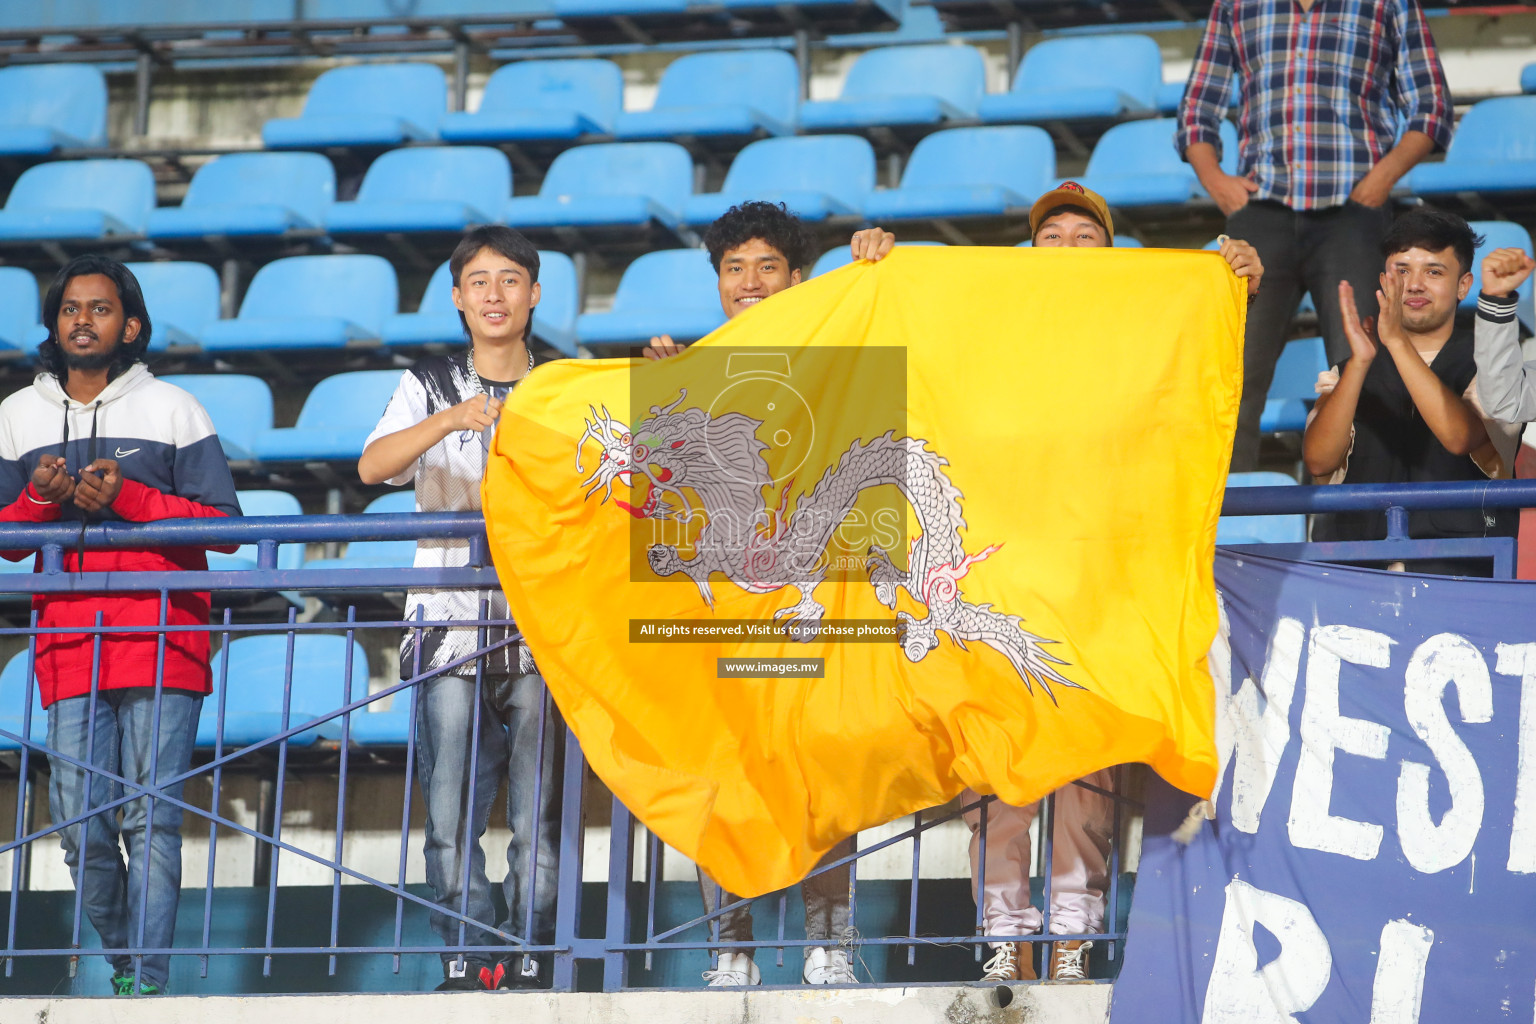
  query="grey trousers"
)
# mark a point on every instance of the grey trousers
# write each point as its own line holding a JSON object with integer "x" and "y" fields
{"x": 828, "y": 903}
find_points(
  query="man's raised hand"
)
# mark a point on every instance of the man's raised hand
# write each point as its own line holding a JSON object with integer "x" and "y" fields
{"x": 99, "y": 485}
{"x": 473, "y": 413}
{"x": 1504, "y": 270}
{"x": 51, "y": 482}
{"x": 1361, "y": 335}
{"x": 872, "y": 244}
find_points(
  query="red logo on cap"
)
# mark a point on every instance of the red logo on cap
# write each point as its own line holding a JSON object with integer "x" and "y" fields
{"x": 1071, "y": 186}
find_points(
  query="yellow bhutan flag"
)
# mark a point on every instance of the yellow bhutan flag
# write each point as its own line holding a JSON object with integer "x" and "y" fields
{"x": 972, "y": 492}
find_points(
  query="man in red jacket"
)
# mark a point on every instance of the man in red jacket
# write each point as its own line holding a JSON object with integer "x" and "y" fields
{"x": 97, "y": 437}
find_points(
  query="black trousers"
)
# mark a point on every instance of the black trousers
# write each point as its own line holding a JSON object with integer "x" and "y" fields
{"x": 1303, "y": 251}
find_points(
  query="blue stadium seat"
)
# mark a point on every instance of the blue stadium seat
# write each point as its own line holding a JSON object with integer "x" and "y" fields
{"x": 436, "y": 320}
{"x": 1135, "y": 164}
{"x": 611, "y": 184}
{"x": 427, "y": 188}
{"x": 920, "y": 23}
{"x": 1493, "y": 150}
{"x": 309, "y": 302}
{"x": 969, "y": 172}
{"x": 1294, "y": 386}
{"x": 44, "y": 107}
{"x": 903, "y": 85}
{"x": 244, "y": 194}
{"x": 239, "y": 405}
{"x": 1290, "y": 529}
{"x": 834, "y": 259}
{"x": 1502, "y": 234}
{"x": 674, "y": 291}
{"x": 1528, "y": 78}
{"x": 739, "y": 92}
{"x": 262, "y": 503}
{"x": 1076, "y": 78}
{"x": 258, "y": 669}
{"x": 534, "y": 100}
{"x": 1169, "y": 96}
{"x": 376, "y": 554}
{"x": 78, "y": 199}
{"x": 182, "y": 299}
{"x": 15, "y": 685}
{"x": 336, "y": 419}
{"x": 819, "y": 177}
{"x": 611, "y": 8}
{"x": 365, "y": 105}
{"x": 20, "y": 312}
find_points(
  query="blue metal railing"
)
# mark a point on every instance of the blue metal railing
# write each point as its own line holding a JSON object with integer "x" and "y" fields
{"x": 633, "y": 930}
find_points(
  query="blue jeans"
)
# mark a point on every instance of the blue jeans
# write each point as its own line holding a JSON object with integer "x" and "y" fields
{"x": 451, "y": 761}
{"x": 129, "y": 907}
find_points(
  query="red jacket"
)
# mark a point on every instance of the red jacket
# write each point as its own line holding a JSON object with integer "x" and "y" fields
{"x": 164, "y": 435}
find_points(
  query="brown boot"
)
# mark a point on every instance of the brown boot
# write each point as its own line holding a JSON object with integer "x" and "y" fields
{"x": 1069, "y": 960}
{"x": 1013, "y": 961}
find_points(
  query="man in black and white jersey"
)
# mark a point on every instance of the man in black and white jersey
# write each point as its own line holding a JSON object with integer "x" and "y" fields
{"x": 436, "y": 431}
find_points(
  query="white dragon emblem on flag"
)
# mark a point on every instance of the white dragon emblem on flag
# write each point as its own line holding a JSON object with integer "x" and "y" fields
{"x": 692, "y": 464}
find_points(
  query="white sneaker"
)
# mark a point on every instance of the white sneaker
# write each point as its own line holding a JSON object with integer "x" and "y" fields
{"x": 734, "y": 970}
{"x": 827, "y": 967}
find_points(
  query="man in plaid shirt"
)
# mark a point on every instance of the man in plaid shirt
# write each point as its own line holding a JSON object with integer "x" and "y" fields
{"x": 1322, "y": 87}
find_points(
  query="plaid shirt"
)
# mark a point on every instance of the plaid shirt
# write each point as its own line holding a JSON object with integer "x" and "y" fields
{"x": 1323, "y": 92}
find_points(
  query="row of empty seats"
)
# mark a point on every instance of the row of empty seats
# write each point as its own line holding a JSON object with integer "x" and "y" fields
{"x": 958, "y": 173}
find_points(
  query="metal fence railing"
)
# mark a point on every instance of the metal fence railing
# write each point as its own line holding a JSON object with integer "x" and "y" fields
{"x": 291, "y": 698}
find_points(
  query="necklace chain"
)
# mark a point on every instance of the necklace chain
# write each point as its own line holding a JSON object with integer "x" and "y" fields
{"x": 475, "y": 374}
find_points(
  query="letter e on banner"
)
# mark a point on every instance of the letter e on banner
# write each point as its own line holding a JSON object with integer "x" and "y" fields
{"x": 1242, "y": 992}
{"x": 1439, "y": 661}
{"x": 1324, "y": 730}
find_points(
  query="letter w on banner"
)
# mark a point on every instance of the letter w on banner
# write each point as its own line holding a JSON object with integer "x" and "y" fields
{"x": 1373, "y": 856}
{"x": 1006, "y": 463}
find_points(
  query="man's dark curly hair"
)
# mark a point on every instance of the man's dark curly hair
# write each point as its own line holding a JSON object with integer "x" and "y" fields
{"x": 772, "y": 222}
{"x": 50, "y": 355}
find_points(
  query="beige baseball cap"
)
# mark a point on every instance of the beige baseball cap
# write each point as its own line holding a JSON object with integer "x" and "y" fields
{"x": 1070, "y": 193}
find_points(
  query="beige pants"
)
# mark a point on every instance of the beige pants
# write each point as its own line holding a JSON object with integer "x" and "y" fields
{"x": 1079, "y": 855}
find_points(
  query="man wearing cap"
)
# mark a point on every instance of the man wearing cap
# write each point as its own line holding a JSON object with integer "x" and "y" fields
{"x": 1070, "y": 215}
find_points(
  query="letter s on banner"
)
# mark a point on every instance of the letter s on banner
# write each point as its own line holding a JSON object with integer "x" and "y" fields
{"x": 1324, "y": 730}
{"x": 1439, "y": 661}
{"x": 1241, "y": 992}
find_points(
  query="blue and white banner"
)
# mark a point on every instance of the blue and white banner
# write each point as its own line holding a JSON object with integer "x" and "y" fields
{"x": 1373, "y": 856}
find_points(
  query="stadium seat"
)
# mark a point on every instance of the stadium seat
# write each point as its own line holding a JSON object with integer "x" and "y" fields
{"x": 436, "y": 320}
{"x": 903, "y": 85}
{"x": 15, "y": 684}
{"x": 969, "y": 172}
{"x": 1528, "y": 78}
{"x": 239, "y": 405}
{"x": 1294, "y": 386}
{"x": 309, "y": 302}
{"x": 262, "y": 503}
{"x": 365, "y": 105}
{"x": 738, "y": 92}
{"x": 336, "y": 419}
{"x": 834, "y": 259}
{"x": 1290, "y": 529}
{"x": 820, "y": 177}
{"x": 1501, "y": 234}
{"x": 1135, "y": 164}
{"x": 1169, "y": 96}
{"x": 1077, "y": 78}
{"x": 534, "y": 100}
{"x": 258, "y": 673}
{"x": 1493, "y": 150}
{"x": 243, "y": 194}
{"x": 566, "y": 9}
{"x": 182, "y": 299}
{"x": 674, "y": 291}
{"x": 44, "y": 107}
{"x": 376, "y": 554}
{"x": 610, "y": 184}
{"x": 430, "y": 188}
{"x": 78, "y": 199}
{"x": 20, "y": 312}
{"x": 920, "y": 23}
